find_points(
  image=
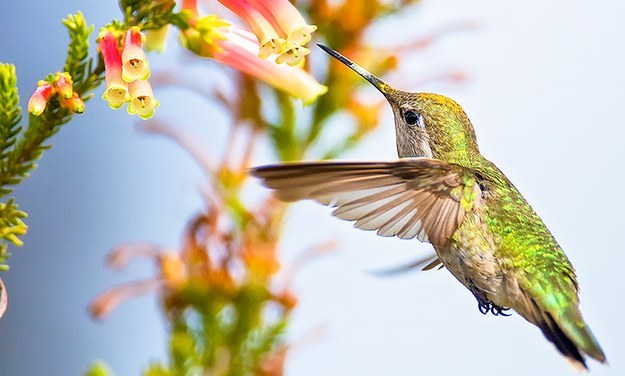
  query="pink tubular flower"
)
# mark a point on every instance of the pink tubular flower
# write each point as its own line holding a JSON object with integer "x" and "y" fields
{"x": 116, "y": 92}
{"x": 143, "y": 102}
{"x": 172, "y": 275}
{"x": 106, "y": 302}
{"x": 135, "y": 64}
{"x": 269, "y": 39}
{"x": 38, "y": 101}
{"x": 278, "y": 25}
{"x": 64, "y": 84}
{"x": 286, "y": 17}
{"x": 240, "y": 52}
{"x": 238, "y": 48}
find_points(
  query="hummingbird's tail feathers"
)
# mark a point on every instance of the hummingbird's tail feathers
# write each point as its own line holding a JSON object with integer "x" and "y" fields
{"x": 565, "y": 329}
{"x": 576, "y": 329}
{"x": 563, "y": 343}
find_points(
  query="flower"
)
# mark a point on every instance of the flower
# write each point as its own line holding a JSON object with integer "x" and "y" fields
{"x": 135, "y": 64}
{"x": 143, "y": 102}
{"x": 106, "y": 302}
{"x": 269, "y": 39}
{"x": 294, "y": 55}
{"x": 286, "y": 17}
{"x": 278, "y": 25}
{"x": 64, "y": 83}
{"x": 213, "y": 37}
{"x": 155, "y": 39}
{"x": 74, "y": 104}
{"x": 38, "y": 101}
{"x": 116, "y": 92}
{"x": 172, "y": 275}
{"x": 239, "y": 52}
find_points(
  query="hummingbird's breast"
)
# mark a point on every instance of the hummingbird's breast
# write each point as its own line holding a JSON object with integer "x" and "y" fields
{"x": 472, "y": 258}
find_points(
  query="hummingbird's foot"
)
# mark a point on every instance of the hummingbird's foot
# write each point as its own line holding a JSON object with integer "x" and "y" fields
{"x": 499, "y": 311}
{"x": 485, "y": 306}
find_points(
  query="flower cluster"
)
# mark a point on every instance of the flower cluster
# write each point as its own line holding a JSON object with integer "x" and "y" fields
{"x": 127, "y": 72}
{"x": 222, "y": 279}
{"x": 207, "y": 262}
{"x": 279, "y": 35}
{"x": 61, "y": 85}
{"x": 279, "y": 27}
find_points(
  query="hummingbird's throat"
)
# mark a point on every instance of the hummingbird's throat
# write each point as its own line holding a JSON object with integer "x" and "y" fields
{"x": 411, "y": 144}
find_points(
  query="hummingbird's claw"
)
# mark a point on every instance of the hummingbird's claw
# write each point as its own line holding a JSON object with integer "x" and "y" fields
{"x": 500, "y": 311}
{"x": 486, "y": 306}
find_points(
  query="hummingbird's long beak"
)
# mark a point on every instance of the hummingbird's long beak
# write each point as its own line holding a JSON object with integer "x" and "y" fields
{"x": 375, "y": 81}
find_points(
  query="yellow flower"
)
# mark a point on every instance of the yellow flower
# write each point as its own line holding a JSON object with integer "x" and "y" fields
{"x": 74, "y": 103}
{"x": 64, "y": 84}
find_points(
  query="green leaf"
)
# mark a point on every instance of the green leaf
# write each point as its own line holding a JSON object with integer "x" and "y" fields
{"x": 10, "y": 116}
{"x": 77, "y": 63}
{"x": 11, "y": 228}
{"x": 284, "y": 135}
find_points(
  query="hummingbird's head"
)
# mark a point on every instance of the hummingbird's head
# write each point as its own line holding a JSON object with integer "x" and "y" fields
{"x": 426, "y": 125}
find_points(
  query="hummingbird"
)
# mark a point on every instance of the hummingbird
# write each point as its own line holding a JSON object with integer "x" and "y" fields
{"x": 443, "y": 191}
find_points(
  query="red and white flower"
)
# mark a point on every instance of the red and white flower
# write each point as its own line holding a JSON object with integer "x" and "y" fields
{"x": 214, "y": 37}
{"x": 135, "y": 64}
{"x": 116, "y": 93}
{"x": 38, "y": 101}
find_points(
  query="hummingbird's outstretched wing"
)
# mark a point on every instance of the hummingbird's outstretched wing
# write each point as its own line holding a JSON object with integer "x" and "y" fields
{"x": 412, "y": 197}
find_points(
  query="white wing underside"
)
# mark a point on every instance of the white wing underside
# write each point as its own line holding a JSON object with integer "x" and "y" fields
{"x": 376, "y": 196}
{"x": 390, "y": 210}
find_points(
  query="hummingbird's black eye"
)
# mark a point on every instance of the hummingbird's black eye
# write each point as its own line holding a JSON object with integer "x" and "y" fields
{"x": 412, "y": 117}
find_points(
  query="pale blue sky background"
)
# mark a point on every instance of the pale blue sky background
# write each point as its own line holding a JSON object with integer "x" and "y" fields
{"x": 545, "y": 96}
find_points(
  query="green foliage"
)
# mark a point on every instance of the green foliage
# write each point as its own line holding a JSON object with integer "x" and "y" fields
{"x": 78, "y": 65}
{"x": 30, "y": 144}
{"x": 11, "y": 227}
{"x": 284, "y": 134}
{"x": 10, "y": 116}
{"x": 149, "y": 14}
{"x": 222, "y": 335}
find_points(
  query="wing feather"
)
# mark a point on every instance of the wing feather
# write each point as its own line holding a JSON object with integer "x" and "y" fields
{"x": 408, "y": 198}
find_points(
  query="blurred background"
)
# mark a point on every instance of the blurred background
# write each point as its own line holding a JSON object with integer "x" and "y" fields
{"x": 545, "y": 96}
